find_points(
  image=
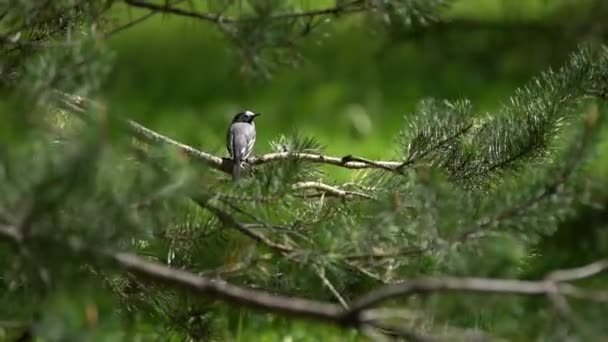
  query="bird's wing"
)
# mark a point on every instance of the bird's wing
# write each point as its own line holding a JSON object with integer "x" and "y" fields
{"x": 241, "y": 139}
{"x": 250, "y": 143}
{"x": 230, "y": 142}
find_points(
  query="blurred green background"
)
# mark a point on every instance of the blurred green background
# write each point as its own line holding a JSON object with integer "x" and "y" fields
{"x": 352, "y": 88}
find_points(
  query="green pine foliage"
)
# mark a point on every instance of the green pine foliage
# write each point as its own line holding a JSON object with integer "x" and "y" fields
{"x": 474, "y": 194}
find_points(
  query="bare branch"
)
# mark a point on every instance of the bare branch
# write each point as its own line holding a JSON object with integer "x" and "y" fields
{"x": 404, "y": 251}
{"x": 80, "y": 105}
{"x": 448, "y": 284}
{"x": 329, "y": 190}
{"x": 560, "y": 303}
{"x": 153, "y": 137}
{"x": 321, "y": 273}
{"x": 354, "y": 6}
{"x": 579, "y": 272}
{"x": 323, "y": 159}
{"x": 177, "y": 11}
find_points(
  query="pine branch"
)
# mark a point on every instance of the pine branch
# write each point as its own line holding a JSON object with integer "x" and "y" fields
{"x": 80, "y": 105}
{"x": 329, "y": 190}
{"x": 401, "y": 252}
{"x": 356, "y": 314}
{"x": 579, "y": 273}
{"x": 472, "y": 284}
{"x": 561, "y": 306}
{"x": 507, "y": 140}
{"x": 354, "y": 6}
{"x": 169, "y": 9}
{"x": 348, "y": 162}
{"x": 323, "y": 190}
{"x": 230, "y": 221}
{"x": 136, "y": 21}
{"x": 321, "y": 273}
{"x": 550, "y": 188}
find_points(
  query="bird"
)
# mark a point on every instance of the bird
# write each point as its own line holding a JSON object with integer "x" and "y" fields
{"x": 240, "y": 139}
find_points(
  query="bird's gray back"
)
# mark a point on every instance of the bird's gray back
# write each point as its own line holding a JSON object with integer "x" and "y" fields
{"x": 241, "y": 138}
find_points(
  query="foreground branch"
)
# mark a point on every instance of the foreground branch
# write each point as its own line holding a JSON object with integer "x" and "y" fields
{"x": 356, "y": 315}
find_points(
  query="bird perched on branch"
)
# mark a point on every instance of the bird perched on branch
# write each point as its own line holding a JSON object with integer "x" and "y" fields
{"x": 240, "y": 139}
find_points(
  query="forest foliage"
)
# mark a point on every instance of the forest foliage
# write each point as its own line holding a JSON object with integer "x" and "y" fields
{"x": 473, "y": 224}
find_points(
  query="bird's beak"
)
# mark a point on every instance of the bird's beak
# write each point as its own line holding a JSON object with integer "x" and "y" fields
{"x": 257, "y": 114}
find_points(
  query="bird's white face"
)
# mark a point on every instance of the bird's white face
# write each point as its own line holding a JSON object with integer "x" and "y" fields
{"x": 249, "y": 114}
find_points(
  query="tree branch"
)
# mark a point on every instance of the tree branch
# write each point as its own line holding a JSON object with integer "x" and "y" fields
{"x": 552, "y": 187}
{"x": 329, "y": 190}
{"x": 405, "y": 251}
{"x": 579, "y": 272}
{"x": 228, "y": 220}
{"x": 353, "y": 6}
{"x": 306, "y": 308}
{"x": 453, "y": 284}
{"x": 347, "y": 162}
{"x": 80, "y": 105}
{"x": 178, "y": 11}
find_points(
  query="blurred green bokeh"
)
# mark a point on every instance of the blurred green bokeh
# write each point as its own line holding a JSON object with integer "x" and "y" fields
{"x": 351, "y": 90}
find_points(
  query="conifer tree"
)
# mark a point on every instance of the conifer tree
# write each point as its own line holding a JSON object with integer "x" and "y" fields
{"x": 112, "y": 230}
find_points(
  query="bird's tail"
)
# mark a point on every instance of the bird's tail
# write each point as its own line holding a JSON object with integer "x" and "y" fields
{"x": 236, "y": 169}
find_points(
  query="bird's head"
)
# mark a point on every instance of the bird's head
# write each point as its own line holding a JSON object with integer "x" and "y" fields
{"x": 245, "y": 116}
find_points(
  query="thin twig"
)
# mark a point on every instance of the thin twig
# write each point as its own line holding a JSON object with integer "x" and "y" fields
{"x": 177, "y": 11}
{"x": 560, "y": 304}
{"x": 230, "y": 221}
{"x": 404, "y": 251}
{"x": 329, "y": 190}
{"x": 354, "y": 6}
{"x": 321, "y": 273}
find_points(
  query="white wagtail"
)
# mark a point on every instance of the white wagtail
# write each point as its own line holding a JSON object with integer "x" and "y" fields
{"x": 240, "y": 139}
